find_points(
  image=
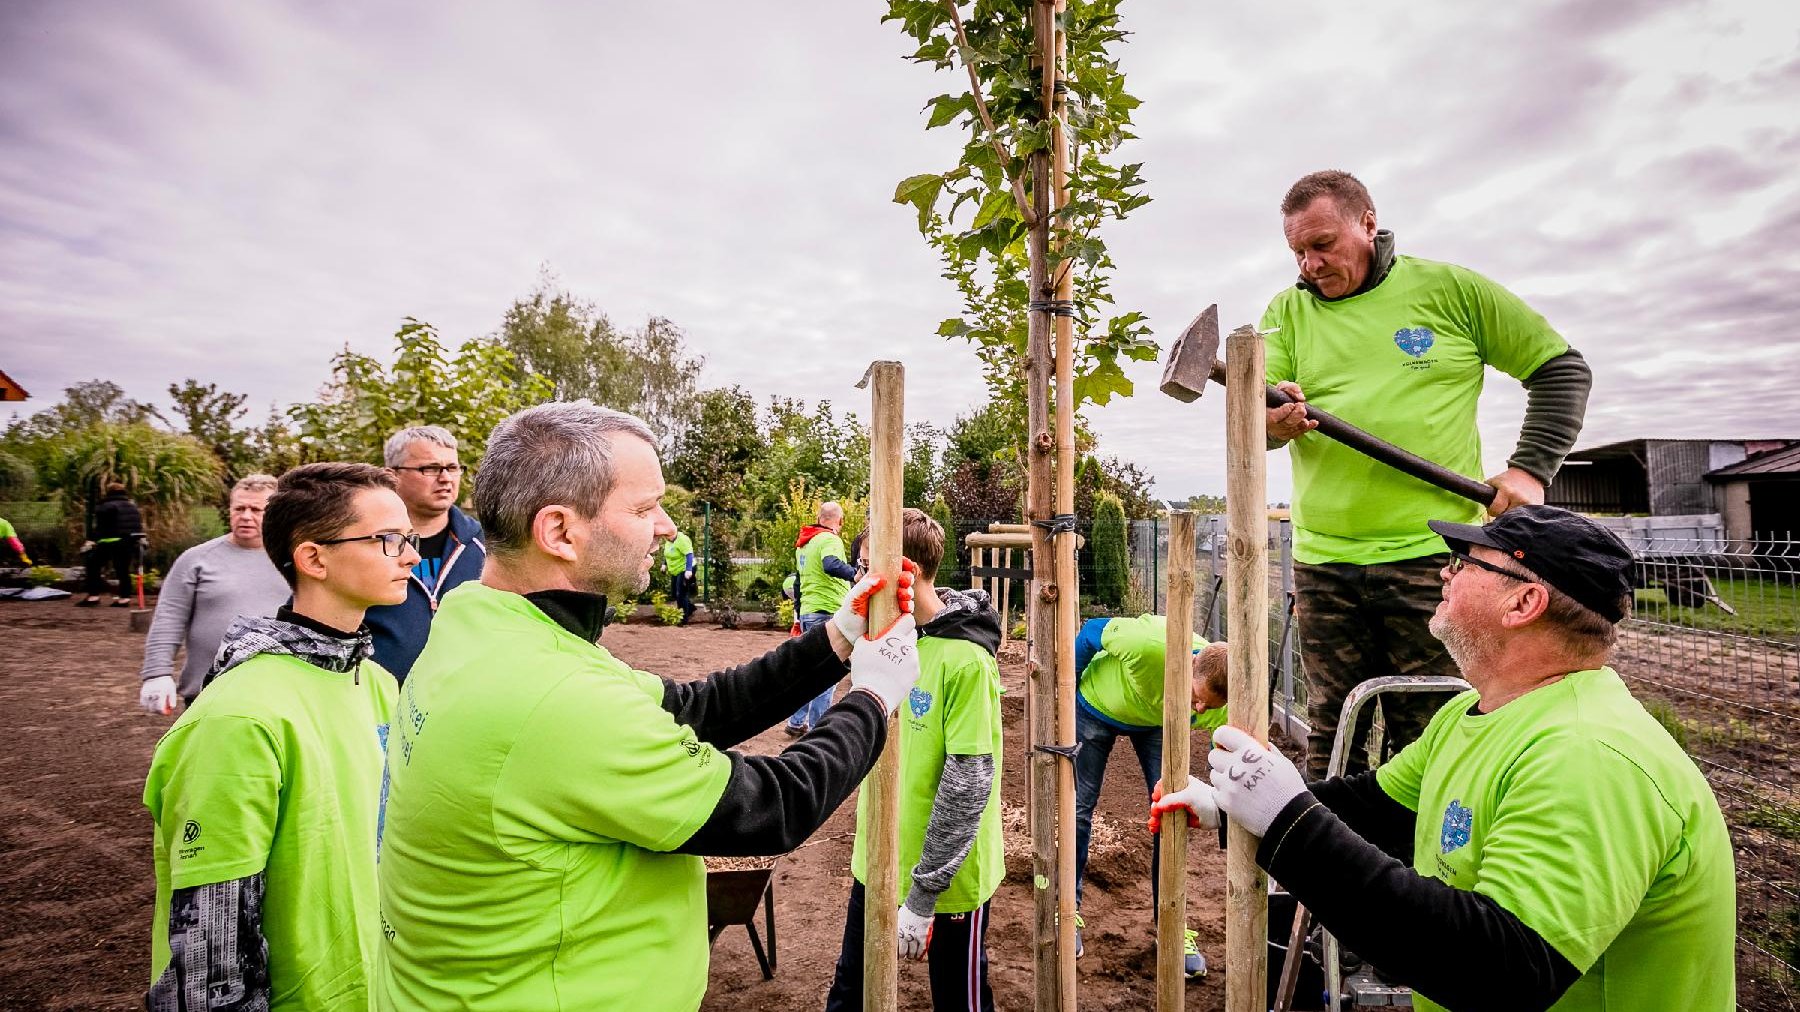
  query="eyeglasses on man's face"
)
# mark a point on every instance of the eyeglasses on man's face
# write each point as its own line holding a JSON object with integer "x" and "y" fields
{"x": 390, "y": 543}
{"x": 434, "y": 471}
{"x": 1460, "y": 560}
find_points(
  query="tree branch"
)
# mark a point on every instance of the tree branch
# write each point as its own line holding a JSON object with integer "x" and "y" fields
{"x": 981, "y": 109}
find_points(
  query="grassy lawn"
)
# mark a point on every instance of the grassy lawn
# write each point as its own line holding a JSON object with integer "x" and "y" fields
{"x": 1767, "y": 605}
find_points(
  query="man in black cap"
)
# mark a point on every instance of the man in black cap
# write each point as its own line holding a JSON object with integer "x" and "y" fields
{"x": 1545, "y": 843}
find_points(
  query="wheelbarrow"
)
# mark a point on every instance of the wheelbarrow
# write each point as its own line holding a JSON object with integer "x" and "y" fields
{"x": 732, "y": 896}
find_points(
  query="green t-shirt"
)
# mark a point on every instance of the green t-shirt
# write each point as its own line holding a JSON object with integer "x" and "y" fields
{"x": 675, "y": 553}
{"x": 1124, "y": 679}
{"x": 954, "y": 710}
{"x": 819, "y": 590}
{"x": 1573, "y": 809}
{"x": 538, "y": 787}
{"x": 1404, "y": 362}
{"x": 277, "y": 767}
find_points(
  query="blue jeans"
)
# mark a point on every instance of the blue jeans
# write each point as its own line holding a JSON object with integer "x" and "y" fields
{"x": 1097, "y": 737}
{"x": 809, "y": 714}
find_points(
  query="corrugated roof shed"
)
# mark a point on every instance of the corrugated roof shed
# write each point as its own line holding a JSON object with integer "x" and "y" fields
{"x": 1782, "y": 461}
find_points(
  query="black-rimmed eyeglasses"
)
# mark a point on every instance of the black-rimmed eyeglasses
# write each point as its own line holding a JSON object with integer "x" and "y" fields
{"x": 1458, "y": 560}
{"x": 390, "y": 543}
{"x": 433, "y": 470}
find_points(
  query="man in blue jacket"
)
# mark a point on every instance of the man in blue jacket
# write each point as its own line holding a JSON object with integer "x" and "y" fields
{"x": 424, "y": 462}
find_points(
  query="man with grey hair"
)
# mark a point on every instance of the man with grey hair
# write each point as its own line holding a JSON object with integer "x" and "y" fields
{"x": 423, "y": 460}
{"x": 208, "y": 587}
{"x": 549, "y": 805}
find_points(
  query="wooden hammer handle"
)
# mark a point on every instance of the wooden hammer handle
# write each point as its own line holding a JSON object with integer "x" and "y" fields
{"x": 1393, "y": 456}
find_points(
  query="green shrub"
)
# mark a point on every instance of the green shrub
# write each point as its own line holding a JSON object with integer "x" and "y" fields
{"x": 784, "y": 613}
{"x": 1018, "y": 631}
{"x": 668, "y": 614}
{"x": 1111, "y": 553}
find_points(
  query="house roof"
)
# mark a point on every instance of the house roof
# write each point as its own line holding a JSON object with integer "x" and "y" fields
{"x": 1635, "y": 448}
{"x": 10, "y": 390}
{"x": 1784, "y": 461}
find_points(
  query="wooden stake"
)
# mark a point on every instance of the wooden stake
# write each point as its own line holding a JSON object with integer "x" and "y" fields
{"x": 1247, "y": 601}
{"x": 1178, "y": 677}
{"x": 887, "y": 383}
{"x": 1006, "y": 583}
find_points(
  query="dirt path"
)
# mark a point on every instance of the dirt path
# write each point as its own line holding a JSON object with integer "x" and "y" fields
{"x": 76, "y": 887}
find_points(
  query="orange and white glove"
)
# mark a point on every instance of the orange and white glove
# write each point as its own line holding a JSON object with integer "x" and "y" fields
{"x": 887, "y": 665}
{"x": 915, "y": 934}
{"x": 157, "y": 694}
{"x": 1197, "y": 797}
{"x": 1252, "y": 782}
{"x": 852, "y": 618}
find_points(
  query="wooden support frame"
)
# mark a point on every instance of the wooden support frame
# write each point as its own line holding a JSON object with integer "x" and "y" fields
{"x": 1247, "y": 601}
{"x": 1178, "y": 688}
{"x": 887, "y": 388}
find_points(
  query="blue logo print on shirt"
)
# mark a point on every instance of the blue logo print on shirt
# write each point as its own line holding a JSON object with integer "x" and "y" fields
{"x": 919, "y": 701}
{"x": 1415, "y": 341}
{"x": 1459, "y": 823}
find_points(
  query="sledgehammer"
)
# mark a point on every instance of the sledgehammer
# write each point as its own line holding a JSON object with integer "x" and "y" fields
{"x": 1195, "y": 359}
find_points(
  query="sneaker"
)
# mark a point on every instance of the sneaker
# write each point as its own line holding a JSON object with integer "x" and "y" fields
{"x": 91, "y": 602}
{"x": 1192, "y": 962}
{"x": 794, "y": 730}
{"x": 1079, "y": 924}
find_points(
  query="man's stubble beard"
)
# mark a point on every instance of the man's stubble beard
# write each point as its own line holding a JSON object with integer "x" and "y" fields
{"x": 611, "y": 569}
{"x": 1470, "y": 649}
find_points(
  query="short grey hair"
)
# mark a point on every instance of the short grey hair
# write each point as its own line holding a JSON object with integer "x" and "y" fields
{"x": 558, "y": 454}
{"x": 394, "y": 451}
{"x": 258, "y": 482}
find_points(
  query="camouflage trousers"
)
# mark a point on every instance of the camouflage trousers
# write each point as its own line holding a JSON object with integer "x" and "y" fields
{"x": 1362, "y": 622}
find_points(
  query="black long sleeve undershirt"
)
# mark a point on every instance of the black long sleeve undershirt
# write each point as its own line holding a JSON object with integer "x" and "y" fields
{"x": 732, "y": 706}
{"x": 1458, "y": 948}
{"x": 1370, "y": 813}
{"x": 773, "y": 803}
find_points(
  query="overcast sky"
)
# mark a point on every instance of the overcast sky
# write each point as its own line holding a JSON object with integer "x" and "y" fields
{"x": 233, "y": 191}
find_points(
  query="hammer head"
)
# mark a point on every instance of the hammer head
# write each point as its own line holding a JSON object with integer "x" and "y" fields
{"x": 1191, "y": 360}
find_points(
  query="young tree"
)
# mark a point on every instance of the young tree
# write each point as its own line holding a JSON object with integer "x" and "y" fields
{"x": 712, "y": 456}
{"x": 920, "y": 472}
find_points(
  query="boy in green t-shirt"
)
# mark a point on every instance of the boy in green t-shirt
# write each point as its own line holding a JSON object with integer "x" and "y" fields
{"x": 267, "y": 793}
{"x": 951, "y": 858}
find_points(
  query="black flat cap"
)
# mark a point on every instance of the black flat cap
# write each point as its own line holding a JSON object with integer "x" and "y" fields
{"x": 1566, "y": 550}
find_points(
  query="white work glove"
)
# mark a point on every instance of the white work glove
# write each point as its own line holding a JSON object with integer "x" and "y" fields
{"x": 915, "y": 934}
{"x": 1252, "y": 782}
{"x": 852, "y": 617}
{"x": 158, "y": 695}
{"x": 887, "y": 665}
{"x": 1197, "y": 797}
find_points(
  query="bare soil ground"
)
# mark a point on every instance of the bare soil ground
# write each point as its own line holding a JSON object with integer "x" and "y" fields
{"x": 76, "y": 886}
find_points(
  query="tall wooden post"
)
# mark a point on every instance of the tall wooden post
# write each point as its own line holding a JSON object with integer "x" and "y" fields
{"x": 887, "y": 383}
{"x": 1247, "y": 590}
{"x": 1041, "y": 608}
{"x": 1178, "y": 677}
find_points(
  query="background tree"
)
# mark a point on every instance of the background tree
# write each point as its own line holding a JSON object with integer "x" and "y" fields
{"x": 920, "y": 471}
{"x": 468, "y": 393}
{"x": 84, "y": 404}
{"x": 166, "y": 473}
{"x": 571, "y": 342}
{"x": 713, "y": 455}
{"x": 1110, "y": 551}
{"x": 210, "y": 416}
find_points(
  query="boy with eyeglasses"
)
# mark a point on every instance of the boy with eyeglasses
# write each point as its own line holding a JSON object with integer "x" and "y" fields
{"x": 428, "y": 476}
{"x": 267, "y": 794}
